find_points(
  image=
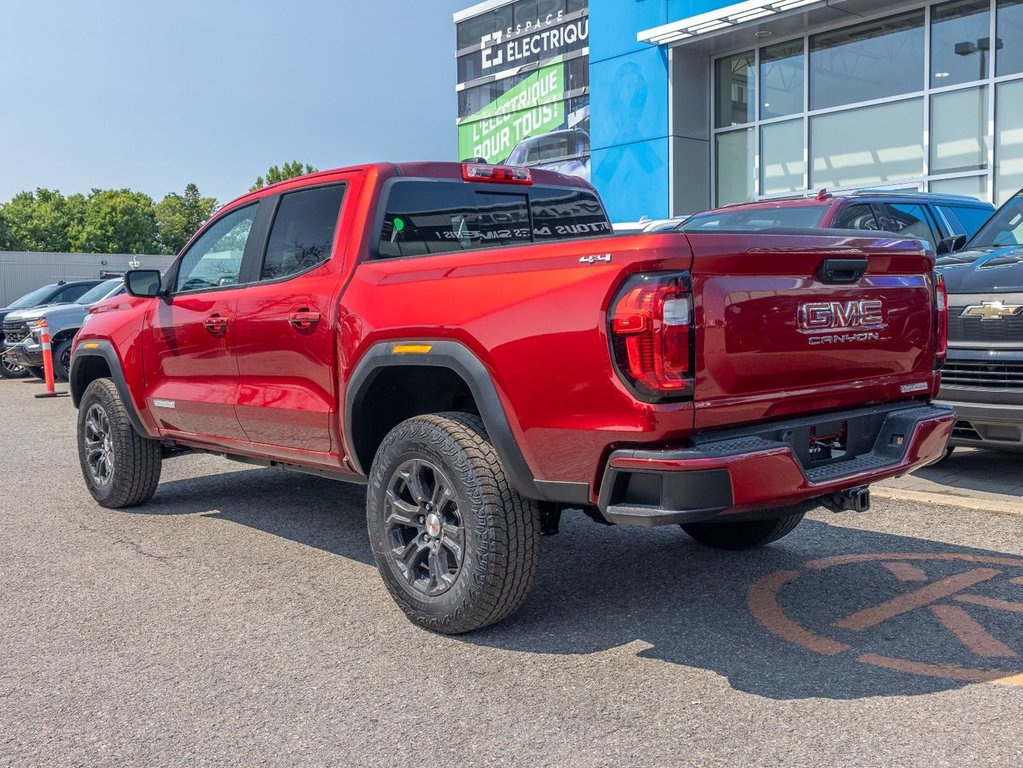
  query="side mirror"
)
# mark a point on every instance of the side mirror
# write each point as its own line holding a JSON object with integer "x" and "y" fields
{"x": 951, "y": 244}
{"x": 144, "y": 283}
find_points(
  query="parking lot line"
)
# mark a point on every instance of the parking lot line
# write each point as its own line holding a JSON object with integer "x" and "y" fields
{"x": 971, "y": 634}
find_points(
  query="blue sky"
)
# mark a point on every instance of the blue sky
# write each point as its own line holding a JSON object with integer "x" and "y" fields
{"x": 153, "y": 95}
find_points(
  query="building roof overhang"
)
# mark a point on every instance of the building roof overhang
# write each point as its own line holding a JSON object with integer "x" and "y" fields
{"x": 751, "y": 21}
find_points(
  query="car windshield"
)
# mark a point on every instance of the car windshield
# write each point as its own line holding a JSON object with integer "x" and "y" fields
{"x": 100, "y": 291}
{"x": 1004, "y": 228}
{"x": 34, "y": 299}
{"x": 755, "y": 219}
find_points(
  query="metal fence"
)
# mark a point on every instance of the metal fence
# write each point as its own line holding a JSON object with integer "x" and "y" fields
{"x": 24, "y": 271}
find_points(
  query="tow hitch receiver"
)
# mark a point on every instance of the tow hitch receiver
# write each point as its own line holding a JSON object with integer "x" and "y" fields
{"x": 855, "y": 499}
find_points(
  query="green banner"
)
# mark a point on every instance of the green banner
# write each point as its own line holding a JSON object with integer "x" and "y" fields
{"x": 534, "y": 106}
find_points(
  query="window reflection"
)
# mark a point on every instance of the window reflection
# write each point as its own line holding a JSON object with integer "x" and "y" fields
{"x": 960, "y": 42}
{"x": 781, "y": 157}
{"x": 959, "y": 131}
{"x": 849, "y": 150}
{"x": 1010, "y": 33}
{"x": 735, "y": 90}
{"x": 781, "y": 80}
{"x": 1009, "y": 140}
{"x": 734, "y": 160}
{"x": 868, "y": 61}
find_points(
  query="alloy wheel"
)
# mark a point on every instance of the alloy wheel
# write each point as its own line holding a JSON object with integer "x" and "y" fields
{"x": 423, "y": 525}
{"x": 99, "y": 446}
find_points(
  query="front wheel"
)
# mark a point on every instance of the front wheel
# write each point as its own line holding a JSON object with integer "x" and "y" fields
{"x": 457, "y": 547}
{"x": 121, "y": 468}
{"x": 62, "y": 359}
{"x": 745, "y": 534}
{"x": 11, "y": 370}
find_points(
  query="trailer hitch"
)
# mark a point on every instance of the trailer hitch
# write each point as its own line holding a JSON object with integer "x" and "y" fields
{"x": 855, "y": 499}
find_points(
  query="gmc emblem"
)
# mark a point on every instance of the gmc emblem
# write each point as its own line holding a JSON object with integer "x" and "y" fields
{"x": 840, "y": 315}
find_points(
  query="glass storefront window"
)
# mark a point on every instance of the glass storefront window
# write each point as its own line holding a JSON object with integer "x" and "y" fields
{"x": 974, "y": 186}
{"x": 733, "y": 152}
{"x": 1008, "y": 140}
{"x": 960, "y": 42}
{"x": 959, "y": 122}
{"x": 781, "y": 157}
{"x": 781, "y": 80}
{"x": 1010, "y": 36}
{"x": 848, "y": 148}
{"x": 868, "y": 61}
{"x": 734, "y": 99}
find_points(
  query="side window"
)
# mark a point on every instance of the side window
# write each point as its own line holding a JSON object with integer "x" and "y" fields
{"x": 215, "y": 259}
{"x": 907, "y": 219}
{"x": 971, "y": 219}
{"x": 562, "y": 213}
{"x": 424, "y": 217}
{"x": 303, "y": 231}
{"x": 69, "y": 294}
{"x": 859, "y": 216}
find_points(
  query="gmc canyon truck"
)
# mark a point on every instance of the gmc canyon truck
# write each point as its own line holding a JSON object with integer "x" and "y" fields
{"x": 472, "y": 343}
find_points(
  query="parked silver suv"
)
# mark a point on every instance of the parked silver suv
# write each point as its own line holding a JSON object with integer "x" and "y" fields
{"x": 22, "y": 342}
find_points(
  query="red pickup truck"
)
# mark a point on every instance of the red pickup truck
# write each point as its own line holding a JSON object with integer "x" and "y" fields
{"x": 475, "y": 344}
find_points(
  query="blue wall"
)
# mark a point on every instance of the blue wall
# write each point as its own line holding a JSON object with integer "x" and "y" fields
{"x": 629, "y": 104}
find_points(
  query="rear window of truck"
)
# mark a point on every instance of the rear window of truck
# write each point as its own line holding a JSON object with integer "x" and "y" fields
{"x": 432, "y": 217}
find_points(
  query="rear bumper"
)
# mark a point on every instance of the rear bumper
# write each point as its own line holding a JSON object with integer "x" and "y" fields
{"x": 746, "y": 474}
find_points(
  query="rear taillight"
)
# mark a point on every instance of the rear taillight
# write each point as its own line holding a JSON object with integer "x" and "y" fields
{"x": 941, "y": 324}
{"x": 652, "y": 335}
{"x": 500, "y": 174}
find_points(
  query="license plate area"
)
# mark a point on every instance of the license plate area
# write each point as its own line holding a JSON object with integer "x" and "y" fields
{"x": 819, "y": 443}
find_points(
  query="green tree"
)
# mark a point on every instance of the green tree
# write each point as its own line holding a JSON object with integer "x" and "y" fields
{"x": 178, "y": 217}
{"x": 286, "y": 171}
{"x": 117, "y": 221}
{"x": 41, "y": 221}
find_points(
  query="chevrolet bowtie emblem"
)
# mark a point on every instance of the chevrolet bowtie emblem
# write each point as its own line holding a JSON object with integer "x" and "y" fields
{"x": 993, "y": 310}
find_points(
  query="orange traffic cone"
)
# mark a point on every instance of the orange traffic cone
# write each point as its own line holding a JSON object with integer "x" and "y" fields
{"x": 44, "y": 339}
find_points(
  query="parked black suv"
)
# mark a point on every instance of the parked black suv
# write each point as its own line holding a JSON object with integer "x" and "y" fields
{"x": 983, "y": 377}
{"x": 56, "y": 293}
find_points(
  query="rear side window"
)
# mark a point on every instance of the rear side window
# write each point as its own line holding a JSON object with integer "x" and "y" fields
{"x": 303, "y": 231}
{"x": 430, "y": 217}
{"x": 859, "y": 216}
{"x": 906, "y": 219}
{"x": 966, "y": 219}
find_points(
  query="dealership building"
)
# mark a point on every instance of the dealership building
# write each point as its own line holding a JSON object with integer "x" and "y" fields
{"x": 674, "y": 106}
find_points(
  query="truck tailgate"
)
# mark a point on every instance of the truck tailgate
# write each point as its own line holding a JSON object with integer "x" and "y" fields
{"x": 786, "y": 325}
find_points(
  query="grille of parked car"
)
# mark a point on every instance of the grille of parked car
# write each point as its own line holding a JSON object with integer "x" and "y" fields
{"x": 15, "y": 332}
{"x": 976, "y": 329}
{"x": 1004, "y": 375}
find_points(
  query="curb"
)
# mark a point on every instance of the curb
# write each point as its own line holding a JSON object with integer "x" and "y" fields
{"x": 972, "y": 503}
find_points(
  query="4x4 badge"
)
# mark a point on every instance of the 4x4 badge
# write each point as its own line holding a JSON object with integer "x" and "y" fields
{"x": 600, "y": 258}
{"x": 992, "y": 310}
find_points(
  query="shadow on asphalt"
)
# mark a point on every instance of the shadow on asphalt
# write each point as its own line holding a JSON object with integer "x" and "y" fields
{"x": 978, "y": 470}
{"x": 898, "y": 616}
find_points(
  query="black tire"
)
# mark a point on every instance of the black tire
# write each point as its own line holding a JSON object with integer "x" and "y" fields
{"x": 947, "y": 454}
{"x": 121, "y": 468}
{"x": 38, "y": 373}
{"x": 62, "y": 359}
{"x": 11, "y": 370}
{"x": 496, "y": 530}
{"x": 746, "y": 534}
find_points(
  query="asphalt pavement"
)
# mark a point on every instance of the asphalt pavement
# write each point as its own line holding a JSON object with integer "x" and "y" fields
{"x": 237, "y": 620}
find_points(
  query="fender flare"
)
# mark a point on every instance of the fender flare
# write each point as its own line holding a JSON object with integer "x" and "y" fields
{"x": 106, "y": 351}
{"x": 459, "y": 359}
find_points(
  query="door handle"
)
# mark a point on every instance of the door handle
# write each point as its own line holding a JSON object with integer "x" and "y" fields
{"x": 216, "y": 325}
{"x": 303, "y": 319}
{"x": 842, "y": 270}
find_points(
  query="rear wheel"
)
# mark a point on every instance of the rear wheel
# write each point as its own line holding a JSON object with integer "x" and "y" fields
{"x": 457, "y": 547}
{"x": 11, "y": 370}
{"x": 746, "y": 534}
{"x": 120, "y": 467}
